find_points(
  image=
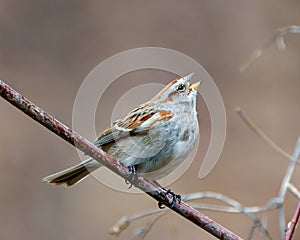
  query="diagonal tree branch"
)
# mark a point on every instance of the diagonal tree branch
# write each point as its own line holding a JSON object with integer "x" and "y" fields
{"x": 293, "y": 224}
{"x": 90, "y": 149}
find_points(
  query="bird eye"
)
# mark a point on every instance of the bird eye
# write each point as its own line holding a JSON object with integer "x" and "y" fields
{"x": 181, "y": 88}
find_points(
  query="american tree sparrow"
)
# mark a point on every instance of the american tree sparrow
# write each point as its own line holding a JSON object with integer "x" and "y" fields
{"x": 152, "y": 140}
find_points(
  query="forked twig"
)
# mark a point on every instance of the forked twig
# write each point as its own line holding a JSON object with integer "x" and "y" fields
{"x": 125, "y": 221}
{"x": 141, "y": 232}
{"x": 234, "y": 207}
{"x": 286, "y": 184}
{"x": 294, "y": 190}
{"x": 276, "y": 38}
{"x": 282, "y": 192}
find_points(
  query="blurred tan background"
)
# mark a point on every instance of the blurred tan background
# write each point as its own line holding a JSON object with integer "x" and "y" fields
{"x": 48, "y": 47}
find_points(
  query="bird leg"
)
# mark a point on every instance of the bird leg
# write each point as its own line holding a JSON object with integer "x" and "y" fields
{"x": 175, "y": 197}
{"x": 132, "y": 176}
{"x": 168, "y": 191}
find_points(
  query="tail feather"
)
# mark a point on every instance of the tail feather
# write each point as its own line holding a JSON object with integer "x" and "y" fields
{"x": 73, "y": 175}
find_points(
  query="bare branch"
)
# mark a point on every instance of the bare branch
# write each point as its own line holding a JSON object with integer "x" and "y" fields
{"x": 260, "y": 133}
{"x": 292, "y": 225}
{"x": 290, "y": 170}
{"x": 285, "y": 185}
{"x": 124, "y": 222}
{"x": 286, "y": 180}
{"x": 276, "y": 38}
{"x": 96, "y": 153}
{"x": 294, "y": 190}
{"x": 141, "y": 233}
{"x": 235, "y": 207}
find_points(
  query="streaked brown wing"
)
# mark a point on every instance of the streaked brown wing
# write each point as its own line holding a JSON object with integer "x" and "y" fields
{"x": 139, "y": 121}
{"x": 124, "y": 127}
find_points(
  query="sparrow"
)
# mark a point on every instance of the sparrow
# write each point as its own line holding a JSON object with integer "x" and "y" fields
{"x": 152, "y": 140}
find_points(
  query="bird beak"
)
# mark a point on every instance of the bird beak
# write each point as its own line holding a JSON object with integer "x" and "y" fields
{"x": 195, "y": 86}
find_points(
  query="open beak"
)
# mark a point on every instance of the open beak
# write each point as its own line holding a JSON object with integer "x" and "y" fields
{"x": 195, "y": 86}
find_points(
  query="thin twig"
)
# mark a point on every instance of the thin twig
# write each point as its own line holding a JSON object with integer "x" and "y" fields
{"x": 276, "y": 38}
{"x": 242, "y": 209}
{"x": 286, "y": 180}
{"x": 292, "y": 225}
{"x": 285, "y": 184}
{"x": 236, "y": 207}
{"x": 124, "y": 222}
{"x": 96, "y": 153}
{"x": 294, "y": 190}
{"x": 141, "y": 233}
{"x": 260, "y": 133}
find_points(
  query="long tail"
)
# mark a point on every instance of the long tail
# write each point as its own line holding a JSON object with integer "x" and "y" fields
{"x": 74, "y": 174}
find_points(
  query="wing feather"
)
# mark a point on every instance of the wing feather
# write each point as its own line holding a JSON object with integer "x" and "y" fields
{"x": 139, "y": 121}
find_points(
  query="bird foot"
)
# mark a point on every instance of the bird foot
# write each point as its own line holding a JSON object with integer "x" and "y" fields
{"x": 131, "y": 176}
{"x": 175, "y": 197}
